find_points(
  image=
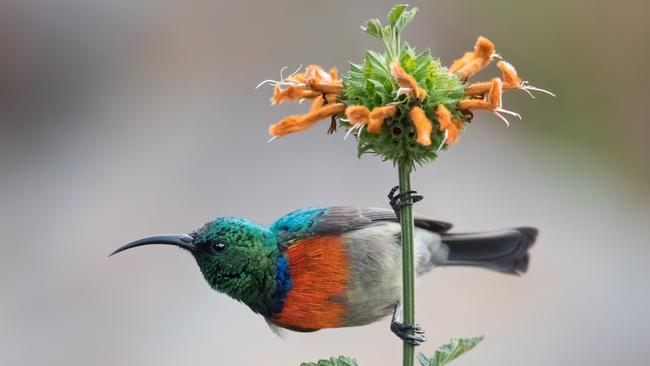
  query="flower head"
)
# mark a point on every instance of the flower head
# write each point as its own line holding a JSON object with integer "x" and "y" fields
{"x": 399, "y": 104}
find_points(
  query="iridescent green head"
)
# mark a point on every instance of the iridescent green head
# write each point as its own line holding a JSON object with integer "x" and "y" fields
{"x": 236, "y": 257}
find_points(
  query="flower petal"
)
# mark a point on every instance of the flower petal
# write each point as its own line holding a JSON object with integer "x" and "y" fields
{"x": 378, "y": 115}
{"x": 423, "y": 126}
{"x": 473, "y": 62}
{"x": 406, "y": 81}
{"x": 297, "y": 123}
{"x": 291, "y": 93}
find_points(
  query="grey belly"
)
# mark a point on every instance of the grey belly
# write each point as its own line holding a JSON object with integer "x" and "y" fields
{"x": 375, "y": 256}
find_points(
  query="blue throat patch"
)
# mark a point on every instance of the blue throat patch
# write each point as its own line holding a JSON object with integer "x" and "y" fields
{"x": 283, "y": 279}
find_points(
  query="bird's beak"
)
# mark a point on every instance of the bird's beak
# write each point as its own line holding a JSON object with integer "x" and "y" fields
{"x": 183, "y": 240}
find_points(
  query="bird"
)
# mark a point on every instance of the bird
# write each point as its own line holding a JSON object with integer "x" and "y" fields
{"x": 331, "y": 267}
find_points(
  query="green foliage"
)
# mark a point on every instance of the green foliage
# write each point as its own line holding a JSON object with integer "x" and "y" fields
{"x": 372, "y": 85}
{"x": 333, "y": 361}
{"x": 449, "y": 351}
{"x": 398, "y": 19}
{"x": 443, "y": 355}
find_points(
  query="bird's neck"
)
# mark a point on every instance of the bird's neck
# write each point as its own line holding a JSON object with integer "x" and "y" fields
{"x": 256, "y": 284}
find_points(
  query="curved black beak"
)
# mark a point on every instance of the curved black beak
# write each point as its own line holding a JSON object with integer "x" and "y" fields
{"x": 183, "y": 240}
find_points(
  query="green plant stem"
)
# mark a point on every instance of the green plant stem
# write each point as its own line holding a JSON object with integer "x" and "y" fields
{"x": 408, "y": 274}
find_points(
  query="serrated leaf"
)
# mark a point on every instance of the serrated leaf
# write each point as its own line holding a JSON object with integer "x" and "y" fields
{"x": 376, "y": 83}
{"x": 355, "y": 67}
{"x": 395, "y": 13}
{"x": 377, "y": 61}
{"x": 407, "y": 62}
{"x": 423, "y": 58}
{"x": 333, "y": 361}
{"x": 450, "y": 351}
{"x": 373, "y": 27}
{"x": 421, "y": 67}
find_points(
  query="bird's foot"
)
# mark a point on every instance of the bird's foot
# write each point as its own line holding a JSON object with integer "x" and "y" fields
{"x": 409, "y": 333}
{"x": 399, "y": 200}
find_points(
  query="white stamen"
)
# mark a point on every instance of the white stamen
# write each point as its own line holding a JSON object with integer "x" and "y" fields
{"x": 284, "y": 81}
{"x": 508, "y": 112}
{"x": 443, "y": 141}
{"x": 271, "y": 139}
{"x": 294, "y": 73}
{"x": 503, "y": 118}
{"x": 496, "y": 55}
{"x": 264, "y": 82}
{"x": 281, "y": 83}
{"x": 527, "y": 91}
{"x": 347, "y": 134}
{"x": 529, "y": 87}
{"x": 360, "y": 130}
{"x": 282, "y": 71}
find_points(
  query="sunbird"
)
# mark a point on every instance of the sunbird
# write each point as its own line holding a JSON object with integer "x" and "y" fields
{"x": 332, "y": 267}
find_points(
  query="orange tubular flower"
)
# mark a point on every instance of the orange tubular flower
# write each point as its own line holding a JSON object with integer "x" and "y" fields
{"x": 406, "y": 81}
{"x": 510, "y": 80}
{"x": 297, "y": 123}
{"x": 378, "y": 115}
{"x": 473, "y": 62}
{"x": 318, "y": 80}
{"x": 491, "y": 102}
{"x": 422, "y": 125}
{"x": 291, "y": 93}
{"x": 319, "y": 101}
{"x": 478, "y": 88}
{"x": 316, "y": 84}
{"x": 358, "y": 114}
{"x": 448, "y": 125}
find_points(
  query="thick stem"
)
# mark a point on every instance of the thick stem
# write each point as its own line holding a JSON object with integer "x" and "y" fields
{"x": 408, "y": 273}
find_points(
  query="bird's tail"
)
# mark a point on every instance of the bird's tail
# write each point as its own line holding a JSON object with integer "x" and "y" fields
{"x": 503, "y": 250}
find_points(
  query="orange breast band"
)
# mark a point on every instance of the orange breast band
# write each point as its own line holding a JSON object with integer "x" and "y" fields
{"x": 319, "y": 273}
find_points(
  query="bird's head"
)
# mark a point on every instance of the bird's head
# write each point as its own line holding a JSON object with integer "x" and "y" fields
{"x": 236, "y": 257}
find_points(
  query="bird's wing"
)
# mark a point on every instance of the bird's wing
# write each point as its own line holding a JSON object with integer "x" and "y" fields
{"x": 320, "y": 221}
{"x": 382, "y": 214}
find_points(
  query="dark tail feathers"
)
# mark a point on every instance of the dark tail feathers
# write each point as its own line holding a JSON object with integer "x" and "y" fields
{"x": 502, "y": 250}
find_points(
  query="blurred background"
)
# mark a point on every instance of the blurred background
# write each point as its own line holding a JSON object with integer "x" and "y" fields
{"x": 121, "y": 119}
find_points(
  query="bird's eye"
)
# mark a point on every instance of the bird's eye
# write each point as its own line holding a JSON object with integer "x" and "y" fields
{"x": 217, "y": 247}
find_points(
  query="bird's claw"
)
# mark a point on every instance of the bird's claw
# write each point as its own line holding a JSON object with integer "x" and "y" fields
{"x": 399, "y": 200}
{"x": 409, "y": 333}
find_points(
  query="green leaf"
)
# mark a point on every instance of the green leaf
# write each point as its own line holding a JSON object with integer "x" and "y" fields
{"x": 373, "y": 27}
{"x": 387, "y": 34}
{"x": 376, "y": 61}
{"x": 395, "y": 13}
{"x": 450, "y": 351}
{"x": 356, "y": 68}
{"x": 405, "y": 18}
{"x": 333, "y": 361}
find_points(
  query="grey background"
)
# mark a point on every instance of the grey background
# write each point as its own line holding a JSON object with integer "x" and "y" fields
{"x": 122, "y": 119}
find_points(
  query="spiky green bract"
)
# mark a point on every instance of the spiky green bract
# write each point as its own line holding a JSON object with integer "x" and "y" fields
{"x": 333, "y": 361}
{"x": 245, "y": 268}
{"x": 371, "y": 84}
{"x": 450, "y": 351}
